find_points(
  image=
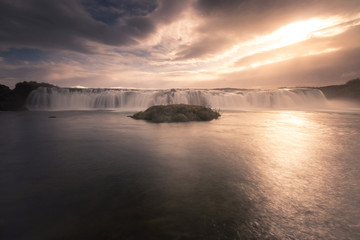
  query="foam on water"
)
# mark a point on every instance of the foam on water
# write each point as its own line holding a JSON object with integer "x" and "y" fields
{"x": 87, "y": 99}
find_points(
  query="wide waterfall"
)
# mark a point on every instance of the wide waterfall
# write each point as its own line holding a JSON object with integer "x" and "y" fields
{"x": 87, "y": 99}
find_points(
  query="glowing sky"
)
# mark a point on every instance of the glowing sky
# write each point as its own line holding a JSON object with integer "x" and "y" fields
{"x": 180, "y": 43}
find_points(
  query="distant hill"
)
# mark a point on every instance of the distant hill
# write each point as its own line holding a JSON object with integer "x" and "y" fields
{"x": 347, "y": 91}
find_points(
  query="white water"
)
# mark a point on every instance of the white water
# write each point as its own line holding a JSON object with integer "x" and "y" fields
{"x": 85, "y": 99}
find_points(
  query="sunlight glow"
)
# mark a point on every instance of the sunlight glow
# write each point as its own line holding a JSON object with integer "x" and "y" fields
{"x": 321, "y": 52}
{"x": 337, "y": 29}
{"x": 291, "y": 136}
{"x": 296, "y": 32}
{"x": 171, "y": 40}
{"x": 293, "y": 118}
{"x": 285, "y": 36}
{"x": 78, "y": 86}
{"x": 257, "y": 64}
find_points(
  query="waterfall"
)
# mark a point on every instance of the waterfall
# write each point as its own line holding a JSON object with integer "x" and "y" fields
{"x": 87, "y": 99}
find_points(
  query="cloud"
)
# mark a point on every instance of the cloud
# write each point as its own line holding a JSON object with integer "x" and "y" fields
{"x": 312, "y": 70}
{"x": 169, "y": 10}
{"x": 157, "y": 43}
{"x": 79, "y": 25}
{"x": 109, "y": 11}
{"x": 69, "y": 25}
{"x": 239, "y": 21}
{"x": 312, "y": 46}
{"x": 264, "y": 16}
{"x": 204, "y": 48}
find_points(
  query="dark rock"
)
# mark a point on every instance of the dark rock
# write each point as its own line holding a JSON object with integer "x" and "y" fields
{"x": 177, "y": 113}
{"x": 4, "y": 90}
{"x": 4, "y": 95}
{"x": 348, "y": 91}
{"x": 2, "y": 224}
{"x": 14, "y": 100}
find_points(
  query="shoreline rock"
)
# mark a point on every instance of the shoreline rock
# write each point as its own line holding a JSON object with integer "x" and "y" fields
{"x": 348, "y": 91}
{"x": 14, "y": 100}
{"x": 177, "y": 113}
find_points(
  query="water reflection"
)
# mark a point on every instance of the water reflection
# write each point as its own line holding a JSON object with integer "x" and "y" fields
{"x": 295, "y": 178}
{"x": 249, "y": 175}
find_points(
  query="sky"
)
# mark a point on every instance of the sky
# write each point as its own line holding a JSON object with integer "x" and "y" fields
{"x": 180, "y": 43}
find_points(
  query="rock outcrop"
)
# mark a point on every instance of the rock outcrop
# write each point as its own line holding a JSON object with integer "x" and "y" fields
{"x": 177, "y": 113}
{"x": 14, "y": 100}
{"x": 348, "y": 91}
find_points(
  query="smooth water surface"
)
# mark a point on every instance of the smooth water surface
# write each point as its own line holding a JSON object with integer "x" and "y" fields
{"x": 248, "y": 175}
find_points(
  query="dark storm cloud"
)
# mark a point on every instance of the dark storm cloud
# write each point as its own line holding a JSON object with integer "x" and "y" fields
{"x": 211, "y": 7}
{"x": 244, "y": 19}
{"x": 71, "y": 24}
{"x": 108, "y": 11}
{"x": 264, "y": 12}
{"x": 205, "y": 48}
{"x": 169, "y": 10}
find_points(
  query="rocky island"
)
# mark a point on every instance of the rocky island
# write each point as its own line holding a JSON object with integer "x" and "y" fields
{"x": 177, "y": 113}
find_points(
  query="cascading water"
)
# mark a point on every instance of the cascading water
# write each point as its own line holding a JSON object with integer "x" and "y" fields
{"x": 85, "y": 99}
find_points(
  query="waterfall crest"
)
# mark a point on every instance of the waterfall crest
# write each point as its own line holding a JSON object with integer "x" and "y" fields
{"x": 87, "y": 99}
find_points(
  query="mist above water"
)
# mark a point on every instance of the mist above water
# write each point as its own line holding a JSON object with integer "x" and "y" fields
{"x": 87, "y": 99}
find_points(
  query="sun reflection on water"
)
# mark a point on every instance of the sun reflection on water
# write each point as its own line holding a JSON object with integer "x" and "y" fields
{"x": 291, "y": 136}
{"x": 295, "y": 175}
